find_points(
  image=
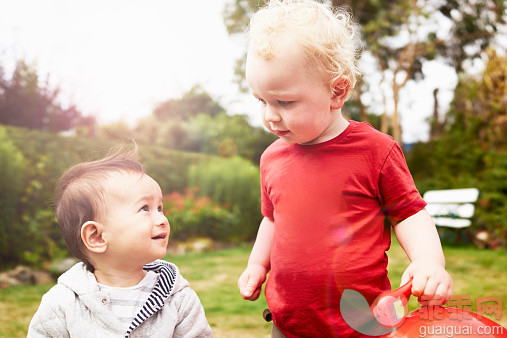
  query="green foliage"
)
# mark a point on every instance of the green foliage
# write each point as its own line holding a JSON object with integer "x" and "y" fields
{"x": 33, "y": 162}
{"x": 471, "y": 152}
{"x": 250, "y": 141}
{"x": 194, "y": 102}
{"x": 169, "y": 167}
{"x": 449, "y": 164}
{"x": 194, "y": 216}
{"x": 46, "y": 157}
{"x": 116, "y": 131}
{"x": 473, "y": 24}
{"x": 234, "y": 182}
{"x": 195, "y": 122}
{"x": 29, "y": 233}
{"x": 12, "y": 163}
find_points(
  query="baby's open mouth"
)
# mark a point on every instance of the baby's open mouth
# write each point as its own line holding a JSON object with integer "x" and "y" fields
{"x": 161, "y": 236}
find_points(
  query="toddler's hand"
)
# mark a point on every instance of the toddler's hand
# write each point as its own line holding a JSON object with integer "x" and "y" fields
{"x": 251, "y": 280}
{"x": 430, "y": 282}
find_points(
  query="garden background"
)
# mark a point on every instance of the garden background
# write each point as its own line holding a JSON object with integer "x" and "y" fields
{"x": 206, "y": 159}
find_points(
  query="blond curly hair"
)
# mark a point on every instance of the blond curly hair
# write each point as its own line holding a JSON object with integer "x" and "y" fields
{"x": 327, "y": 35}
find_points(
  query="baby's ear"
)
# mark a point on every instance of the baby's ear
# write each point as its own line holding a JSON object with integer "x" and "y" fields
{"x": 340, "y": 89}
{"x": 91, "y": 234}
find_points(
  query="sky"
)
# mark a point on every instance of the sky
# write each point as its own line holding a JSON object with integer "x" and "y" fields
{"x": 117, "y": 59}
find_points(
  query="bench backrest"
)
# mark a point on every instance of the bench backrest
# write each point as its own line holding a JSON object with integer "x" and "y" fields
{"x": 451, "y": 208}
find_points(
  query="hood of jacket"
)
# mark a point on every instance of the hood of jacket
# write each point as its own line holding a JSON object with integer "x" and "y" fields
{"x": 82, "y": 282}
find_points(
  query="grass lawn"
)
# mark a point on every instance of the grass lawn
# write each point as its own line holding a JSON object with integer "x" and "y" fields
{"x": 213, "y": 275}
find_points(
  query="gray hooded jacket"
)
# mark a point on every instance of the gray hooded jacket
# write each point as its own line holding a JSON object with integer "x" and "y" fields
{"x": 76, "y": 307}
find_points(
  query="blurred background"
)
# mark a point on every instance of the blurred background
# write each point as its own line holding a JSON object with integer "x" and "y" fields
{"x": 78, "y": 78}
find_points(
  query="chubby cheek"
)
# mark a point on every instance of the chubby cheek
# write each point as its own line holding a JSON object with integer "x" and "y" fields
{"x": 265, "y": 123}
{"x": 263, "y": 116}
{"x": 298, "y": 122}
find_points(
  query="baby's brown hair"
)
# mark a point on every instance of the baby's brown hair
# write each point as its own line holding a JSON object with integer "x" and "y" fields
{"x": 81, "y": 196}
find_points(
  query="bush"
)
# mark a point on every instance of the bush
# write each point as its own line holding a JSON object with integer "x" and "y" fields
{"x": 194, "y": 216}
{"x": 441, "y": 165}
{"x": 234, "y": 182}
{"x": 32, "y": 161}
{"x": 12, "y": 163}
{"x": 169, "y": 167}
{"x": 471, "y": 150}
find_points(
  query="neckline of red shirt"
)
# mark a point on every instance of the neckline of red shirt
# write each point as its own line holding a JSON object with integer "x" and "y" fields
{"x": 337, "y": 138}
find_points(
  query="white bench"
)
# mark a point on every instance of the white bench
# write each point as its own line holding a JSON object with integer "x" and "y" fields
{"x": 451, "y": 208}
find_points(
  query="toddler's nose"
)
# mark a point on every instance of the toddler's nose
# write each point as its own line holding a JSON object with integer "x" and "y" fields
{"x": 271, "y": 115}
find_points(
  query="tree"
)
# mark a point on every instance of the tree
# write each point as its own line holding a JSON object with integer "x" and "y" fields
{"x": 479, "y": 109}
{"x": 196, "y": 122}
{"x": 399, "y": 61}
{"x": 474, "y": 26}
{"x": 471, "y": 151}
{"x": 231, "y": 135}
{"x": 11, "y": 181}
{"x": 25, "y": 103}
{"x": 383, "y": 25}
{"x": 193, "y": 102}
{"x": 116, "y": 130}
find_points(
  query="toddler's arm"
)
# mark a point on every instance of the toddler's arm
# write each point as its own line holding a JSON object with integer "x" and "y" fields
{"x": 251, "y": 280}
{"x": 419, "y": 238}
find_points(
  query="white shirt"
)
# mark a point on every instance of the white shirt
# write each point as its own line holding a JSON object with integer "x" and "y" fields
{"x": 126, "y": 302}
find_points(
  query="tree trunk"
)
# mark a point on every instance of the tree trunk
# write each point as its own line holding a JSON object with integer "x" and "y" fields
{"x": 435, "y": 122}
{"x": 384, "y": 119}
{"x": 384, "y": 123}
{"x": 363, "y": 114}
{"x": 395, "y": 119}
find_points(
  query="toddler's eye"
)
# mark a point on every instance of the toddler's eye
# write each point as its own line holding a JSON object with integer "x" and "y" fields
{"x": 160, "y": 208}
{"x": 262, "y": 101}
{"x": 144, "y": 208}
{"x": 284, "y": 103}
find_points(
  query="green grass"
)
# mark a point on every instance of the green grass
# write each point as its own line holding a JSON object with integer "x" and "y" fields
{"x": 213, "y": 275}
{"x": 17, "y": 306}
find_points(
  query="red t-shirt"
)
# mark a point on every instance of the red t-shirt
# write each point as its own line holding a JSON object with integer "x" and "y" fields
{"x": 328, "y": 202}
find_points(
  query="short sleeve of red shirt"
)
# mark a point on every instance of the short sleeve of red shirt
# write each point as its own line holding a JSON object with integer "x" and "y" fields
{"x": 398, "y": 194}
{"x": 266, "y": 205}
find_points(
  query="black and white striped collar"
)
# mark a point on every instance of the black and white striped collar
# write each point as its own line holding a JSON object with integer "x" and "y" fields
{"x": 167, "y": 277}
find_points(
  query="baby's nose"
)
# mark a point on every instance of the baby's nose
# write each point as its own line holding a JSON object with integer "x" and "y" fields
{"x": 161, "y": 220}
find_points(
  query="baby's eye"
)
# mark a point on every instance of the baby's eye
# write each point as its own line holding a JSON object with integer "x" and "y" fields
{"x": 262, "y": 101}
{"x": 160, "y": 208}
{"x": 284, "y": 103}
{"x": 144, "y": 208}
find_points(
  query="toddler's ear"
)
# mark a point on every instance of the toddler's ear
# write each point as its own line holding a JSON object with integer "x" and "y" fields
{"x": 91, "y": 234}
{"x": 340, "y": 88}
